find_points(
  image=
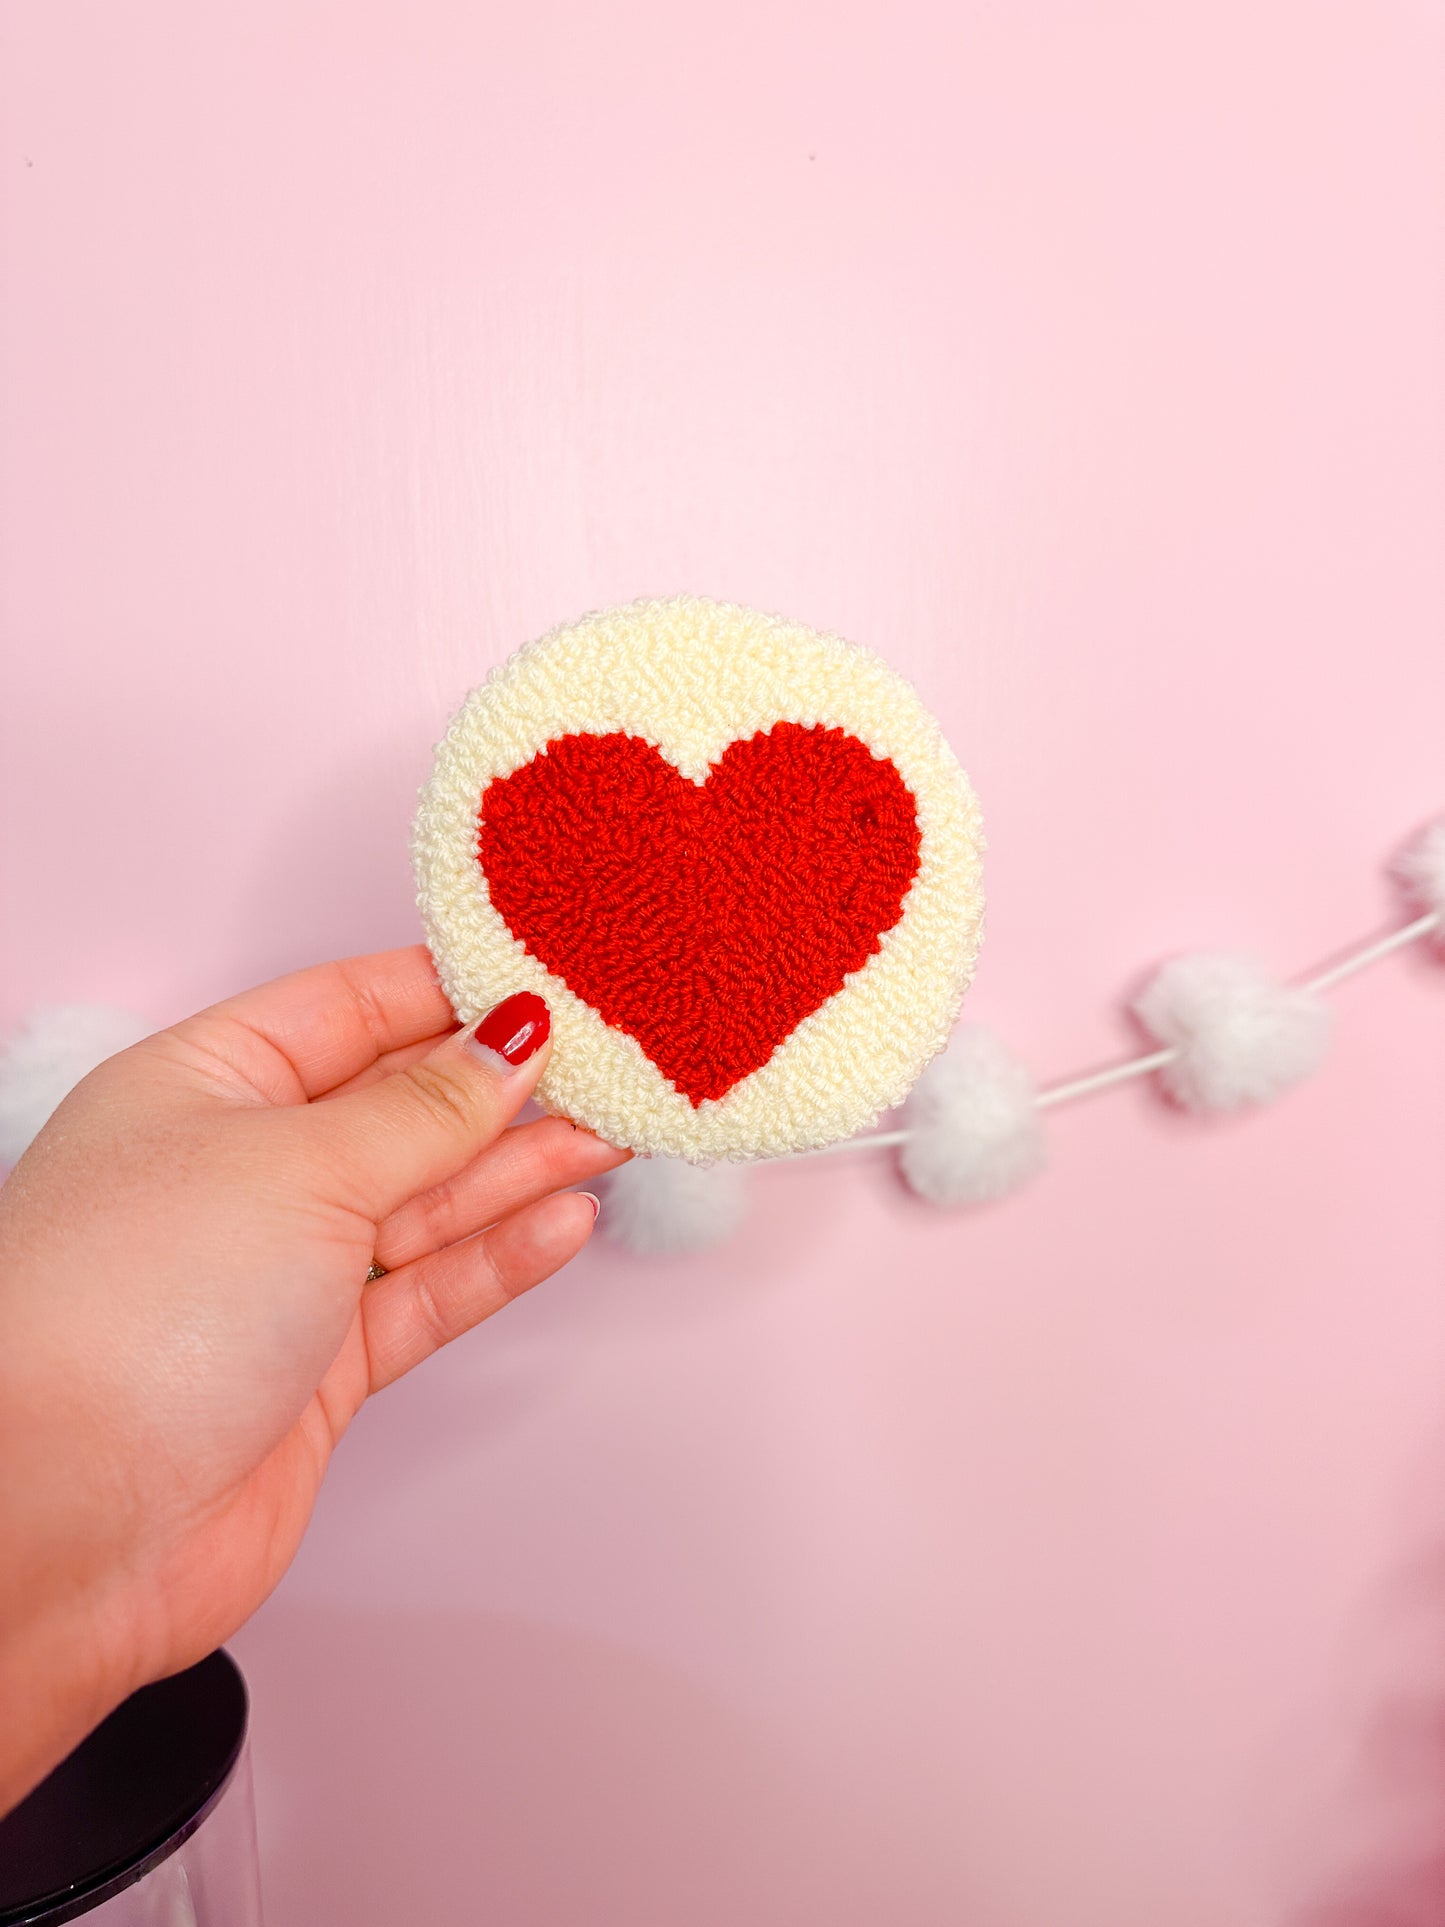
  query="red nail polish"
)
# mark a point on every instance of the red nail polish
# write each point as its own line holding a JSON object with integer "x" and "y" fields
{"x": 516, "y": 1028}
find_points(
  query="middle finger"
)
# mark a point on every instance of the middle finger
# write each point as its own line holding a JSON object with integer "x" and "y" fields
{"x": 525, "y": 1163}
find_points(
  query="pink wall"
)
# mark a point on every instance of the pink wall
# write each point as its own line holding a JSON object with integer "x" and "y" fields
{"x": 1079, "y": 1563}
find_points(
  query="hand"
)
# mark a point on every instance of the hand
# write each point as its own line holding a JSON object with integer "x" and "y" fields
{"x": 186, "y": 1325}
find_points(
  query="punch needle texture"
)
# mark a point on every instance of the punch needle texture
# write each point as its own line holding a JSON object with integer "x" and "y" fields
{"x": 704, "y": 919}
{"x": 735, "y": 855}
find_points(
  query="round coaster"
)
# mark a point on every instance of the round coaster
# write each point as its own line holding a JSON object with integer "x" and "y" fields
{"x": 735, "y": 856}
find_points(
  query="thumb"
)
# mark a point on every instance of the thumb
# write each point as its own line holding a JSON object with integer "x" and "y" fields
{"x": 417, "y": 1127}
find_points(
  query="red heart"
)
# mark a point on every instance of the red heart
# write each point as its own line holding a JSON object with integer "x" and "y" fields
{"x": 705, "y": 920}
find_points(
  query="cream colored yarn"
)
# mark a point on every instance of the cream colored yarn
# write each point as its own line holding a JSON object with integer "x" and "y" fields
{"x": 691, "y": 676}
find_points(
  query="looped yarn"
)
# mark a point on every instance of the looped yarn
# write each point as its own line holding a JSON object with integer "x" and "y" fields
{"x": 735, "y": 856}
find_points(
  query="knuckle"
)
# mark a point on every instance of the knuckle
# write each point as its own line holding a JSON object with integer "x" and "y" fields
{"x": 447, "y": 1097}
{"x": 367, "y": 1002}
{"x": 440, "y": 1211}
{"x": 436, "y": 1327}
{"x": 499, "y": 1281}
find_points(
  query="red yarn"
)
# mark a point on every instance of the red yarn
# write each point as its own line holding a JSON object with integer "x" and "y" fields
{"x": 704, "y": 920}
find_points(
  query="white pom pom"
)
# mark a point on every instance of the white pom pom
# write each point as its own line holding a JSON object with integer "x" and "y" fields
{"x": 975, "y": 1131}
{"x": 1242, "y": 1037}
{"x": 661, "y": 1207}
{"x": 1421, "y": 868}
{"x": 47, "y": 1057}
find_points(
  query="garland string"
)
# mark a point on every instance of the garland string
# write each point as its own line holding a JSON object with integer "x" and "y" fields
{"x": 1087, "y": 1084}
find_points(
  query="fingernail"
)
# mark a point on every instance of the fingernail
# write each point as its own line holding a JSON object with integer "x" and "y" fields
{"x": 512, "y": 1031}
{"x": 595, "y": 1202}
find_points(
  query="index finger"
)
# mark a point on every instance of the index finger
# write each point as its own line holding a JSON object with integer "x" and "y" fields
{"x": 334, "y": 1020}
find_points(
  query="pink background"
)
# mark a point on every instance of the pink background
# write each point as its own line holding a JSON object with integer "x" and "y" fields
{"x": 1076, "y": 1563}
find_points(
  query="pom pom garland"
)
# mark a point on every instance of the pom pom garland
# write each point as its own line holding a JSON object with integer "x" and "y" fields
{"x": 1230, "y": 1035}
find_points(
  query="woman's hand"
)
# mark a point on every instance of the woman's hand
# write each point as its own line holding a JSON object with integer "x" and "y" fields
{"x": 186, "y": 1322}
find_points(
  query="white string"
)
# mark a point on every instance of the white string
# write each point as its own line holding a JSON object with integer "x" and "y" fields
{"x": 1101, "y": 1080}
{"x": 1089, "y": 1082}
{"x": 879, "y": 1141}
{"x": 1372, "y": 952}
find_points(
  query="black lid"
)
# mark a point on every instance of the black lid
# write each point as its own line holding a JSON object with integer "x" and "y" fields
{"x": 125, "y": 1798}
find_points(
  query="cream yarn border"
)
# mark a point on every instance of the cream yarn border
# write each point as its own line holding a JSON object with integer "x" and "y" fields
{"x": 690, "y": 676}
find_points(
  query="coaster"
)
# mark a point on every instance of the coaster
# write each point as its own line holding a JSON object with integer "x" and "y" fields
{"x": 735, "y": 856}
